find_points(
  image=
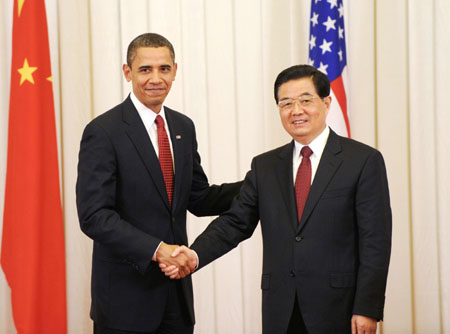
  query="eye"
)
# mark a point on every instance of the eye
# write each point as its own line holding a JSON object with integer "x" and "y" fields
{"x": 286, "y": 104}
{"x": 305, "y": 101}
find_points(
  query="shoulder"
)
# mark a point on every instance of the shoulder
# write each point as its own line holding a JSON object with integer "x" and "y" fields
{"x": 350, "y": 147}
{"x": 281, "y": 152}
{"x": 111, "y": 119}
{"x": 174, "y": 115}
{"x": 356, "y": 146}
{"x": 354, "y": 154}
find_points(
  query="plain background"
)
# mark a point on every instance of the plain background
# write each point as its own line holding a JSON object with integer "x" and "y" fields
{"x": 229, "y": 53}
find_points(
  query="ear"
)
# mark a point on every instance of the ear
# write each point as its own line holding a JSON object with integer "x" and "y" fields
{"x": 175, "y": 68}
{"x": 327, "y": 101}
{"x": 126, "y": 72}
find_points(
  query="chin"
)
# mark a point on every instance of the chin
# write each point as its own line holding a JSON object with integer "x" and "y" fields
{"x": 300, "y": 134}
{"x": 154, "y": 102}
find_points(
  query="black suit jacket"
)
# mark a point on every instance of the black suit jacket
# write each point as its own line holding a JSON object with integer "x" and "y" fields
{"x": 336, "y": 259}
{"x": 123, "y": 206}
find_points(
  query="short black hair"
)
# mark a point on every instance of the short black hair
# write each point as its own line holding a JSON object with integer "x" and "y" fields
{"x": 320, "y": 80}
{"x": 151, "y": 40}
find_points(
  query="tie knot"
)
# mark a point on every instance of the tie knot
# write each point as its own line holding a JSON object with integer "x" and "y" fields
{"x": 306, "y": 152}
{"x": 159, "y": 122}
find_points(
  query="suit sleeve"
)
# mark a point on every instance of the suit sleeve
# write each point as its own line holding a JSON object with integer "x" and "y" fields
{"x": 374, "y": 223}
{"x": 205, "y": 199}
{"x": 234, "y": 226}
{"x": 96, "y": 202}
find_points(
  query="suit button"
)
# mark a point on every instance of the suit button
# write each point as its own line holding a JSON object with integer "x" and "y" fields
{"x": 292, "y": 273}
{"x": 298, "y": 238}
{"x": 173, "y": 220}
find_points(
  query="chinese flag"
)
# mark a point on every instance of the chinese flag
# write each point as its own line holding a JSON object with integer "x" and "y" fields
{"x": 32, "y": 253}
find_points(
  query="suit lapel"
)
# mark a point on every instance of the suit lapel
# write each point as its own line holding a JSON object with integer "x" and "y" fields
{"x": 178, "y": 142}
{"x": 328, "y": 165}
{"x": 285, "y": 178}
{"x": 138, "y": 135}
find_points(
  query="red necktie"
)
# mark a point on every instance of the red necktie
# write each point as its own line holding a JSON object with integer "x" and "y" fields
{"x": 303, "y": 181}
{"x": 165, "y": 157}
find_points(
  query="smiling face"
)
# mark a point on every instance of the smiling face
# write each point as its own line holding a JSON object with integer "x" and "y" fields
{"x": 151, "y": 73}
{"x": 303, "y": 123}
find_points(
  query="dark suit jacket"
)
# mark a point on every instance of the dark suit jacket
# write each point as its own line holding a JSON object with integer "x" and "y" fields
{"x": 336, "y": 259}
{"x": 123, "y": 206}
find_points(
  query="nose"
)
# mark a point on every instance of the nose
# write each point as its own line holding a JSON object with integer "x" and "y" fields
{"x": 297, "y": 108}
{"x": 155, "y": 77}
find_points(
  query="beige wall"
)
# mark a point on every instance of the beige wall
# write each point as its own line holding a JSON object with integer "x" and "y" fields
{"x": 229, "y": 53}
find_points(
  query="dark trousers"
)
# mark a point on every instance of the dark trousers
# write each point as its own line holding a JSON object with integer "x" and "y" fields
{"x": 175, "y": 320}
{"x": 296, "y": 324}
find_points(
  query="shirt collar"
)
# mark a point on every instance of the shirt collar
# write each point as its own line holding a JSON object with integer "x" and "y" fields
{"x": 150, "y": 115}
{"x": 317, "y": 145}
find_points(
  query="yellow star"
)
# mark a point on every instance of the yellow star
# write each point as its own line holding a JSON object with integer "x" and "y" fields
{"x": 26, "y": 72}
{"x": 20, "y": 5}
{"x": 50, "y": 79}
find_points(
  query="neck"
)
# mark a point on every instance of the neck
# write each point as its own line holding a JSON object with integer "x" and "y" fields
{"x": 155, "y": 109}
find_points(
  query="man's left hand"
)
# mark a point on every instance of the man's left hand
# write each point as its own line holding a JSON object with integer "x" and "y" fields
{"x": 363, "y": 325}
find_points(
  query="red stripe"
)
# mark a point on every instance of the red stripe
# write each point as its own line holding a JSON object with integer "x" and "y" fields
{"x": 337, "y": 86}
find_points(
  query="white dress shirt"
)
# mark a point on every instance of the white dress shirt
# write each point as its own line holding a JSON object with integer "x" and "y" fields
{"x": 148, "y": 117}
{"x": 317, "y": 146}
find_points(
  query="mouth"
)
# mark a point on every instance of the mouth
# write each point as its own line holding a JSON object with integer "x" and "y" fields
{"x": 155, "y": 91}
{"x": 299, "y": 122}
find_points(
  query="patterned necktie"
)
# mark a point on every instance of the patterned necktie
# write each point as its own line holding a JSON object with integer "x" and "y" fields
{"x": 165, "y": 157}
{"x": 303, "y": 181}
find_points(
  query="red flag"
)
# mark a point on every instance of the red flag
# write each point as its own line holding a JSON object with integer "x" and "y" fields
{"x": 32, "y": 254}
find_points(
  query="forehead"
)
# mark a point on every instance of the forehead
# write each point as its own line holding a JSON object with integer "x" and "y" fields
{"x": 297, "y": 87}
{"x": 148, "y": 56}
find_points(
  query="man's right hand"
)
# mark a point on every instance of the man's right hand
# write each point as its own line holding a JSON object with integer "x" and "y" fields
{"x": 175, "y": 261}
{"x": 183, "y": 255}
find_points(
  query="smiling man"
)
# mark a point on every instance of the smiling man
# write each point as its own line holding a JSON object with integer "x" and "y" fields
{"x": 323, "y": 203}
{"x": 138, "y": 173}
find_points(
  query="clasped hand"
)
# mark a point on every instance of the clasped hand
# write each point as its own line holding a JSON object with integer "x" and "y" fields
{"x": 176, "y": 261}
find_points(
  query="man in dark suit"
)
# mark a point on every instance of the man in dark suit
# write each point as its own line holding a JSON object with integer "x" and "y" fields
{"x": 138, "y": 173}
{"x": 323, "y": 203}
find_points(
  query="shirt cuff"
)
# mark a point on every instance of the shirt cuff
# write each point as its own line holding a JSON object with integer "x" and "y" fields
{"x": 154, "y": 254}
{"x": 198, "y": 261}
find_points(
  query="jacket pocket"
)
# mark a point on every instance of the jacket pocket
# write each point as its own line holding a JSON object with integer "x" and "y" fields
{"x": 265, "y": 282}
{"x": 342, "y": 280}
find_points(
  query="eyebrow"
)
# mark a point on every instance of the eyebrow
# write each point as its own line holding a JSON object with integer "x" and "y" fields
{"x": 301, "y": 95}
{"x": 146, "y": 67}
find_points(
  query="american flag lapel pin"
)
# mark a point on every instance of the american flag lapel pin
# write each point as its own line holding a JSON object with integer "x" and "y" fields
{"x": 178, "y": 136}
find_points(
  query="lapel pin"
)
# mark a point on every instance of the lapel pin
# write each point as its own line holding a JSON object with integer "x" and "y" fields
{"x": 178, "y": 136}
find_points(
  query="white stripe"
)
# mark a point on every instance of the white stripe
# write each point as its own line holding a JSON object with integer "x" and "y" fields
{"x": 335, "y": 118}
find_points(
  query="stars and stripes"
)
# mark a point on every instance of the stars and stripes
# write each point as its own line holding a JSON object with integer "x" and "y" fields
{"x": 327, "y": 53}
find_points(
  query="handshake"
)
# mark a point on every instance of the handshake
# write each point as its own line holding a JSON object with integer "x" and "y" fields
{"x": 176, "y": 261}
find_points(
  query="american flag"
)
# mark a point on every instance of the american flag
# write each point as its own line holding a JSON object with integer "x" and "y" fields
{"x": 328, "y": 54}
